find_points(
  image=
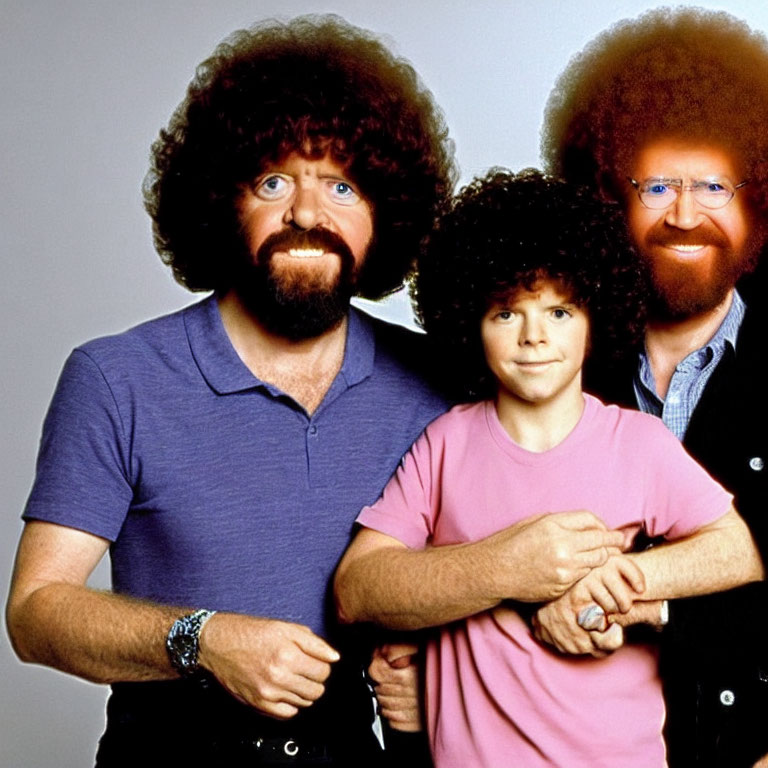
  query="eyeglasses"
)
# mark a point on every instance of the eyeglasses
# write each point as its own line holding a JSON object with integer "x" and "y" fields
{"x": 659, "y": 192}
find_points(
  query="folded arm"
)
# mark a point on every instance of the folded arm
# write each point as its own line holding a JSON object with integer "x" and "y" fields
{"x": 381, "y": 580}
{"x": 718, "y": 556}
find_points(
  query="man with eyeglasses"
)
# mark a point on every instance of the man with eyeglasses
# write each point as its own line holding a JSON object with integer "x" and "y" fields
{"x": 667, "y": 116}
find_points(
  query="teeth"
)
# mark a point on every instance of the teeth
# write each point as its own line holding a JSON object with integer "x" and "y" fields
{"x": 305, "y": 253}
{"x": 686, "y": 248}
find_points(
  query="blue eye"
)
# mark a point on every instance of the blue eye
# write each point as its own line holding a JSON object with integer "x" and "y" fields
{"x": 657, "y": 189}
{"x": 342, "y": 192}
{"x": 272, "y": 188}
{"x": 714, "y": 187}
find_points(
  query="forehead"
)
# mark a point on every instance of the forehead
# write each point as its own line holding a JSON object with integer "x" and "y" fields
{"x": 298, "y": 163}
{"x": 675, "y": 158}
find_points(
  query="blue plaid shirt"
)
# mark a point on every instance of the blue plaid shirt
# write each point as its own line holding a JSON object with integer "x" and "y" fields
{"x": 690, "y": 376}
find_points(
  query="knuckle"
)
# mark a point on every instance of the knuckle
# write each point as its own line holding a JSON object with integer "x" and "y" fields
{"x": 285, "y": 656}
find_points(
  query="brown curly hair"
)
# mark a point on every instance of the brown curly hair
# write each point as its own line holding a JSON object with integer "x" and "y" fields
{"x": 686, "y": 73}
{"x": 505, "y": 231}
{"x": 313, "y": 85}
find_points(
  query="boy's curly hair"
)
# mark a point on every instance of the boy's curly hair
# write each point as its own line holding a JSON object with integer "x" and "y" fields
{"x": 507, "y": 231}
{"x": 684, "y": 73}
{"x": 313, "y": 85}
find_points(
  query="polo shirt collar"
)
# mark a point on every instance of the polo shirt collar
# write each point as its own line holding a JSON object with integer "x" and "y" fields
{"x": 225, "y": 372}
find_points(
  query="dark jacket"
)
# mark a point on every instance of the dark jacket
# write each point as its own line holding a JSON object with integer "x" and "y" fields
{"x": 714, "y": 652}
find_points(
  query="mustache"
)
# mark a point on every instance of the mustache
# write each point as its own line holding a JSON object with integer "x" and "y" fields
{"x": 705, "y": 234}
{"x": 318, "y": 237}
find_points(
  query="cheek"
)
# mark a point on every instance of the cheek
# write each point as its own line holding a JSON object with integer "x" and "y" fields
{"x": 258, "y": 223}
{"x": 358, "y": 231}
{"x": 737, "y": 227}
{"x": 495, "y": 347}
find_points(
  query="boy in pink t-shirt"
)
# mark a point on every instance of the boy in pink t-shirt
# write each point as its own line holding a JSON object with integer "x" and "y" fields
{"x": 523, "y": 277}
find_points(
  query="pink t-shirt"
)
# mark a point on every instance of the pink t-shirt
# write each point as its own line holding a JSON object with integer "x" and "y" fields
{"x": 495, "y": 696}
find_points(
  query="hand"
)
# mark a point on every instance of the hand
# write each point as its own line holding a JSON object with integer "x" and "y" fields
{"x": 274, "y": 666}
{"x": 615, "y": 585}
{"x": 544, "y": 556}
{"x": 395, "y": 672}
{"x": 556, "y": 624}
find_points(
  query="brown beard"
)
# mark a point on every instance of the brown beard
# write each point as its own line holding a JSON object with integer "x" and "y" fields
{"x": 682, "y": 289}
{"x": 294, "y": 306}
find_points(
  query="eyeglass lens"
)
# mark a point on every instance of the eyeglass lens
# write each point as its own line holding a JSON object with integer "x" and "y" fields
{"x": 660, "y": 193}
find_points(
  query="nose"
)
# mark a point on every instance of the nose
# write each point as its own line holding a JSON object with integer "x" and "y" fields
{"x": 305, "y": 210}
{"x": 532, "y": 331}
{"x": 685, "y": 212}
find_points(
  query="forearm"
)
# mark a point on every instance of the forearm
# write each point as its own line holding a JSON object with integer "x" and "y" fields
{"x": 99, "y": 636}
{"x": 535, "y": 560}
{"x": 720, "y": 556}
{"x": 412, "y": 589}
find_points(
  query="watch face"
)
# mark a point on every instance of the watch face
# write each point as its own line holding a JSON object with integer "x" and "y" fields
{"x": 183, "y": 642}
{"x": 183, "y": 646}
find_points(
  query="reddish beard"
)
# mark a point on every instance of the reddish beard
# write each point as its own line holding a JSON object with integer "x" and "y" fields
{"x": 684, "y": 287}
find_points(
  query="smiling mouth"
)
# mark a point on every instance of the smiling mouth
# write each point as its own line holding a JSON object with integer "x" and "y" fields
{"x": 305, "y": 253}
{"x": 680, "y": 248}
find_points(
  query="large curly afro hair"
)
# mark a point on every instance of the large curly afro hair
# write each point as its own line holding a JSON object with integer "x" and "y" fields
{"x": 314, "y": 85}
{"x": 685, "y": 73}
{"x": 504, "y": 232}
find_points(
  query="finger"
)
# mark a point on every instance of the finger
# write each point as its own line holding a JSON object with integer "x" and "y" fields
{"x": 610, "y": 640}
{"x": 632, "y": 573}
{"x": 579, "y": 520}
{"x": 290, "y": 687}
{"x": 383, "y": 672}
{"x": 393, "y": 691}
{"x": 602, "y": 595}
{"x": 279, "y": 710}
{"x": 598, "y": 539}
{"x": 396, "y": 651}
{"x": 315, "y": 646}
{"x": 311, "y": 669}
{"x": 621, "y": 593}
{"x": 399, "y": 714}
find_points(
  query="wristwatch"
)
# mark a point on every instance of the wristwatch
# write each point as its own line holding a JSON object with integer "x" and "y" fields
{"x": 183, "y": 641}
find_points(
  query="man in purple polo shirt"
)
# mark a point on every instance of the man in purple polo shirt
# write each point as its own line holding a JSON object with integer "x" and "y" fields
{"x": 223, "y": 452}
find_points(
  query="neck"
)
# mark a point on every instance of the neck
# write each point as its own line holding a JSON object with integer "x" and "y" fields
{"x": 538, "y": 427}
{"x": 303, "y": 369}
{"x": 669, "y": 342}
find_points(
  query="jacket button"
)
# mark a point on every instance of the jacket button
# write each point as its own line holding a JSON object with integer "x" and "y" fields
{"x": 756, "y": 463}
{"x": 727, "y": 698}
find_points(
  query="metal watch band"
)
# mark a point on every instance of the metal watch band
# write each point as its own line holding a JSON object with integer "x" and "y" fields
{"x": 183, "y": 641}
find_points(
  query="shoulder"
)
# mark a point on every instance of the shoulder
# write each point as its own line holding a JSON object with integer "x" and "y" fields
{"x": 457, "y": 425}
{"x": 161, "y": 337}
{"x": 627, "y": 423}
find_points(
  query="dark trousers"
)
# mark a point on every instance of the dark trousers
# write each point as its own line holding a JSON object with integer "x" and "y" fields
{"x": 194, "y": 723}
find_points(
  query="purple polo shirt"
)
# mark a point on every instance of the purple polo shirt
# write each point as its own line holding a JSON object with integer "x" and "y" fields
{"x": 216, "y": 489}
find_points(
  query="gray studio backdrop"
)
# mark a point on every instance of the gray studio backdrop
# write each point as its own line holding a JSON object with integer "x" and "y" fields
{"x": 84, "y": 87}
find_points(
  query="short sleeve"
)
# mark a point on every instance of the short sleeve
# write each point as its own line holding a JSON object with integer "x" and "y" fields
{"x": 82, "y": 477}
{"x": 681, "y": 496}
{"x": 407, "y": 506}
